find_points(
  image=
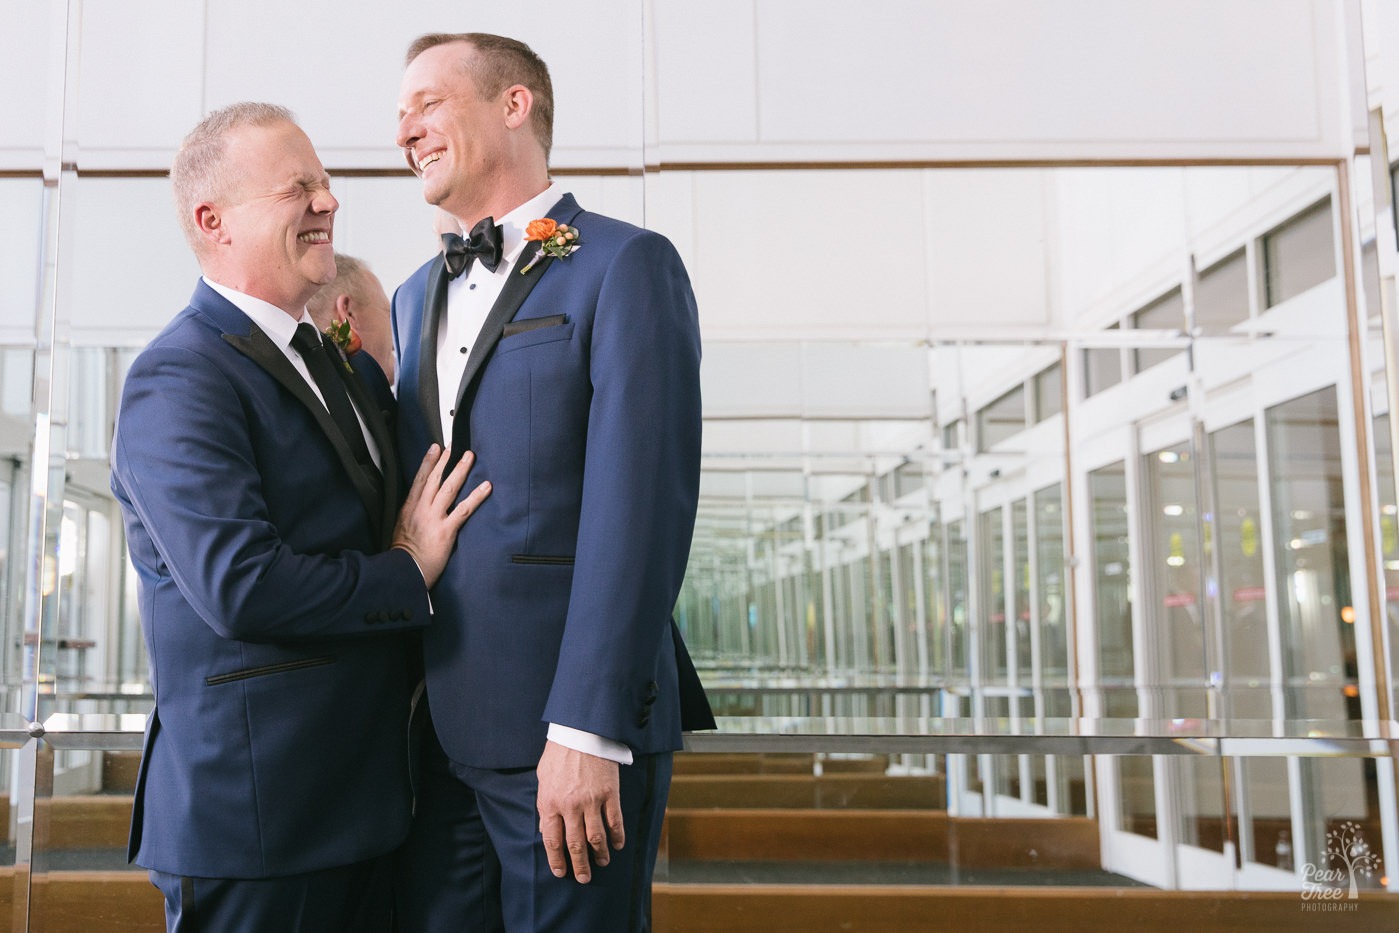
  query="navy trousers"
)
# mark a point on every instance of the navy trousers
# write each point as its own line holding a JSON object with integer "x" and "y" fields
{"x": 475, "y": 860}
{"x": 351, "y": 899}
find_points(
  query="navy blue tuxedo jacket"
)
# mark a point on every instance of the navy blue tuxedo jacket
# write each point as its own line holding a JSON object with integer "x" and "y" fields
{"x": 280, "y": 633}
{"x": 581, "y": 402}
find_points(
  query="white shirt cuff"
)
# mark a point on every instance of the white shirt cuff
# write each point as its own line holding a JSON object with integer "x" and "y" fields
{"x": 589, "y": 744}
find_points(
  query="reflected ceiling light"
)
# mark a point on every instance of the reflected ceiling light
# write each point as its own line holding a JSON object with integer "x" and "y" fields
{"x": 1175, "y": 511}
{"x": 1348, "y": 615}
{"x": 1390, "y": 510}
{"x": 1301, "y": 515}
{"x": 1168, "y": 456}
{"x": 1175, "y": 561}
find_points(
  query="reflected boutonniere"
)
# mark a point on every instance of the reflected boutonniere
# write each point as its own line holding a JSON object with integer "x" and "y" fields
{"x": 344, "y": 336}
{"x": 556, "y": 239}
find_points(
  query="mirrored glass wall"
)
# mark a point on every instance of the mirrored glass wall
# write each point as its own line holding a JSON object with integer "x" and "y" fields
{"x": 990, "y": 452}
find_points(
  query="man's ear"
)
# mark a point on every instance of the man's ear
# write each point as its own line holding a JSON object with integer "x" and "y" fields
{"x": 343, "y": 311}
{"x": 519, "y": 101}
{"x": 209, "y": 222}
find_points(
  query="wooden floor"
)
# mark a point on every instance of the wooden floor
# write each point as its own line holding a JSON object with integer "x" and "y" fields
{"x": 125, "y": 902}
{"x": 728, "y": 810}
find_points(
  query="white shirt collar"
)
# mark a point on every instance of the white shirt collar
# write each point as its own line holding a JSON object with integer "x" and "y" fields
{"x": 270, "y": 319}
{"x": 512, "y": 225}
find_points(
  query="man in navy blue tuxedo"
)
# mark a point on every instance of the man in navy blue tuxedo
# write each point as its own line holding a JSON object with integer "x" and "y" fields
{"x": 563, "y": 348}
{"x": 281, "y": 589}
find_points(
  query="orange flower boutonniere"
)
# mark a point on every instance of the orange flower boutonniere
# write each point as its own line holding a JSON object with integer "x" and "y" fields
{"x": 344, "y": 336}
{"x": 556, "y": 239}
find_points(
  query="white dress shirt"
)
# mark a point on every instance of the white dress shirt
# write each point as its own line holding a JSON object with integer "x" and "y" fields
{"x": 471, "y": 296}
{"x": 469, "y": 301}
{"x": 280, "y": 328}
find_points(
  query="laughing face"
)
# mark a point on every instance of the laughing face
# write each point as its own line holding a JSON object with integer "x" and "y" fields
{"x": 456, "y": 141}
{"x": 278, "y": 221}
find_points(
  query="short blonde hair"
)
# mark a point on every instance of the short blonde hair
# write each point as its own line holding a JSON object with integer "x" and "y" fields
{"x": 200, "y": 171}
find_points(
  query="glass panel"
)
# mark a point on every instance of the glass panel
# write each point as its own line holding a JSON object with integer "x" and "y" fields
{"x": 1174, "y": 581}
{"x": 1205, "y": 819}
{"x": 1107, "y": 489}
{"x": 1221, "y": 295}
{"x": 1267, "y": 836}
{"x": 1049, "y": 392}
{"x": 1002, "y": 419}
{"x": 1136, "y": 785}
{"x": 1102, "y": 367}
{"x": 993, "y": 598}
{"x": 1389, "y": 540}
{"x": 957, "y": 583}
{"x": 1051, "y": 595}
{"x": 1022, "y": 643}
{"x": 1243, "y": 591}
{"x": 1166, "y": 313}
{"x": 1299, "y": 254}
{"x": 1309, "y": 522}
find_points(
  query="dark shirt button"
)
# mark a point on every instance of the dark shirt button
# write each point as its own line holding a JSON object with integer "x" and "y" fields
{"x": 463, "y": 349}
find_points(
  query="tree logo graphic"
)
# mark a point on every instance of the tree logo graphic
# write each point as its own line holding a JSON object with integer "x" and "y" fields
{"x": 1352, "y": 858}
{"x": 1346, "y": 844}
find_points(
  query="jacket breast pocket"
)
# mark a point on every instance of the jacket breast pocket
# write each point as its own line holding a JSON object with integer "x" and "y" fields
{"x": 519, "y": 339}
{"x": 284, "y": 667}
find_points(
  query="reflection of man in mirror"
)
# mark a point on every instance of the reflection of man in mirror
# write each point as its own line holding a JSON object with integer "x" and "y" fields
{"x": 280, "y": 587}
{"x": 563, "y": 347}
{"x": 355, "y": 309}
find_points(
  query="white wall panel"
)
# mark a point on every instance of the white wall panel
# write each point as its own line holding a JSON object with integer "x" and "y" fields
{"x": 706, "y": 71}
{"x": 1115, "y": 230}
{"x": 1381, "y": 19}
{"x": 810, "y": 254}
{"x": 748, "y": 379}
{"x": 140, "y": 82}
{"x": 849, "y": 380}
{"x": 341, "y": 72}
{"x": 751, "y": 378}
{"x": 130, "y": 269}
{"x": 744, "y": 437}
{"x": 986, "y": 243}
{"x": 736, "y": 80}
{"x": 385, "y": 222}
{"x": 21, "y": 216}
{"x": 943, "y": 79}
{"x": 24, "y": 67}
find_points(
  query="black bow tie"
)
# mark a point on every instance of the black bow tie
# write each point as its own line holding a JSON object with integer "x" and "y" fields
{"x": 483, "y": 243}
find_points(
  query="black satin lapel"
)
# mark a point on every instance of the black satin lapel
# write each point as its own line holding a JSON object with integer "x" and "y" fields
{"x": 434, "y": 304}
{"x": 516, "y": 290}
{"x": 388, "y": 461}
{"x": 259, "y": 348}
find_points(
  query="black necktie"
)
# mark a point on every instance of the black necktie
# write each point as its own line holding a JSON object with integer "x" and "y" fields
{"x": 317, "y": 356}
{"x": 482, "y": 243}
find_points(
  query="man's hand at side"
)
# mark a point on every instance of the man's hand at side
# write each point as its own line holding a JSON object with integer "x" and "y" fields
{"x": 429, "y": 521}
{"x": 580, "y": 810}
